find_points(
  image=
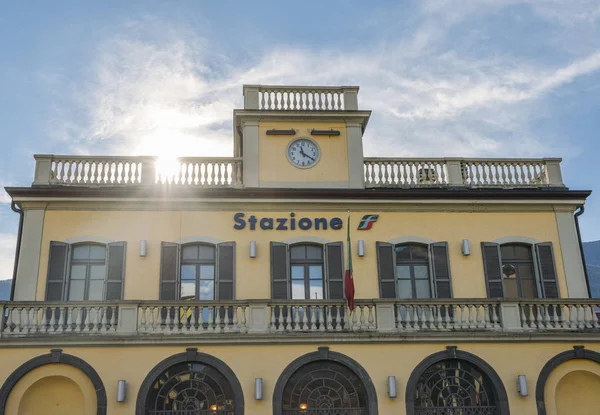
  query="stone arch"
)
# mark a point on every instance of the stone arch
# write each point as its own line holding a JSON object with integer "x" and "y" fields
{"x": 190, "y": 355}
{"x": 55, "y": 356}
{"x": 52, "y": 394}
{"x": 451, "y": 353}
{"x": 323, "y": 354}
{"x": 578, "y": 352}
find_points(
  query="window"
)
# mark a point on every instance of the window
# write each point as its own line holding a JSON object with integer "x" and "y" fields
{"x": 307, "y": 271}
{"x": 86, "y": 271}
{"x": 517, "y": 270}
{"x": 412, "y": 270}
{"x": 197, "y": 271}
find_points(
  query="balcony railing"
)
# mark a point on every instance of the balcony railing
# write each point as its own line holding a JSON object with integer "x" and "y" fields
{"x": 128, "y": 171}
{"x": 300, "y": 98}
{"x": 474, "y": 173}
{"x": 276, "y": 318}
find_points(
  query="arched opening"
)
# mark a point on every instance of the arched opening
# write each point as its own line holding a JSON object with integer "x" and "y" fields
{"x": 455, "y": 383}
{"x": 324, "y": 383}
{"x": 578, "y": 389}
{"x": 190, "y": 383}
{"x": 52, "y": 395}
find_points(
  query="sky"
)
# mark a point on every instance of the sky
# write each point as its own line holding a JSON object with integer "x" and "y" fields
{"x": 454, "y": 78}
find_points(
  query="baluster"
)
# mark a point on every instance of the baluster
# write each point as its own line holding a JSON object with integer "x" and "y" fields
{"x": 321, "y": 315}
{"x": 244, "y": 327}
{"x": 78, "y": 319}
{"x": 234, "y": 319}
{"x": 17, "y": 312}
{"x": 546, "y": 309}
{"x": 486, "y": 316}
{"x": 295, "y": 318}
{"x": 495, "y": 318}
{"x": 70, "y": 319}
{"x": 114, "y": 323}
{"x": 371, "y": 319}
{"x": 580, "y": 317}
{"x": 445, "y": 314}
{"x": 429, "y": 316}
{"x": 362, "y": 317}
{"x": 104, "y": 324}
{"x": 9, "y": 321}
{"x": 338, "y": 317}
{"x": 594, "y": 316}
{"x": 142, "y": 318}
{"x": 329, "y": 318}
{"x": 572, "y": 316}
{"x": 355, "y": 318}
{"x": 552, "y": 310}
{"x": 273, "y": 326}
{"x": 288, "y": 317}
{"x": 531, "y": 317}
{"x": 523, "y": 318}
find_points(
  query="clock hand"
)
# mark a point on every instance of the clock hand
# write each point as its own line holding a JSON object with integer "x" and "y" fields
{"x": 306, "y": 155}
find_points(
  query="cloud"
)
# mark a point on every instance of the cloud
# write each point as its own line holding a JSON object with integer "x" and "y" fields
{"x": 7, "y": 255}
{"x": 160, "y": 88}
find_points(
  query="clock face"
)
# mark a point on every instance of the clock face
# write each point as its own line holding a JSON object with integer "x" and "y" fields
{"x": 303, "y": 153}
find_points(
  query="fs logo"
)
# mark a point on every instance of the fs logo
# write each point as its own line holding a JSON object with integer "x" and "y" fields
{"x": 367, "y": 222}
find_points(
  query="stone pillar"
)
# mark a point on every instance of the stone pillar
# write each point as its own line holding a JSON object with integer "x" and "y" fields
{"x": 356, "y": 162}
{"x": 510, "y": 317}
{"x": 43, "y": 169}
{"x": 148, "y": 171}
{"x": 350, "y": 98}
{"x": 386, "y": 319}
{"x": 570, "y": 252}
{"x": 251, "y": 97}
{"x": 259, "y": 318}
{"x": 454, "y": 170}
{"x": 128, "y": 318}
{"x": 250, "y": 156}
{"x": 28, "y": 267}
{"x": 553, "y": 172}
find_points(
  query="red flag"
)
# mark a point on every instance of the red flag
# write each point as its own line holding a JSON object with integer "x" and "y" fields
{"x": 349, "y": 279}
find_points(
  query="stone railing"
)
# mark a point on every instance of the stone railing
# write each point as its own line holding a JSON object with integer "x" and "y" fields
{"x": 300, "y": 98}
{"x": 128, "y": 171}
{"x": 275, "y": 318}
{"x": 436, "y": 172}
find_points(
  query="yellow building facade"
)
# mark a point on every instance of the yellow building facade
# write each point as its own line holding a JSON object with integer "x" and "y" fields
{"x": 299, "y": 277}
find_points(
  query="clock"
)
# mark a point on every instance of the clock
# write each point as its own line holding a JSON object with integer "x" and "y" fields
{"x": 303, "y": 153}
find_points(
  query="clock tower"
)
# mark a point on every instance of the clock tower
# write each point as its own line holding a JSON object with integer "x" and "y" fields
{"x": 301, "y": 137}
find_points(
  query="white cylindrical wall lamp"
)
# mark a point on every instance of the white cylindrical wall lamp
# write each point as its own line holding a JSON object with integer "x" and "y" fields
{"x": 522, "y": 385}
{"x": 143, "y": 247}
{"x": 121, "y": 387}
{"x": 252, "y": 249}
{"x": 258, "y": 389}
{"x": 466, "y": 250}
{"x": 361, "y": 247}
{"x": 392, "y": 387}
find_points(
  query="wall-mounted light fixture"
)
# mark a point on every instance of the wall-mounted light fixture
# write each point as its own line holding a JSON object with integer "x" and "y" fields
{"x": 143, "y": 247}
{"x": 522, "y": 385}
{"x": 361, "y": 247}
{"x": 258, "y": 389}
{"x": 330, "y": 132}
{"x": 466, "y": 250}
{"x": 274, "y": 131}
{"x": 252, "y": 249}
{"x": 392, "y": 387}
{"x": 121, "y": 389}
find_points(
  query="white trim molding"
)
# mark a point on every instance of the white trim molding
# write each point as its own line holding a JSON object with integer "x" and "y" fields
{"x": 411, "y": 239}
{"x": 199, "y": 239}
{"x": 307, "y": 239}
{"x": 516, "y": 240}
{"x": 87, "y": 238}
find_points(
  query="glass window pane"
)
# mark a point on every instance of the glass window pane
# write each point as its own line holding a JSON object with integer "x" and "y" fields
{"x": 510, "y": 288}
{"x": 76, "y": 289}
{"x": 423, "y": 288}
{"x": 207, "y": 290}
{"x": 402, "y": 253}
{"x": 528, "y": 289}
{"x": 314, "y": 252}
{"x": 188, "y": 272}
{"x": 419, "y": 252}
{"x": 526, "y": 271}
{"x": 298, "y": 290}
{"x": 97, "y": 272}
{"x": 190, "y": 252}
{"x": 315, "y": 272}
{"x": 403, "y": 271}
{"x": 404, "y": 289}
{"x": 188, "y": 289}
{"x": 96, "y": 290}
{"x": 207, "y": 272}
{"x": 421, "y": 271}
{"x": 522, "y": 252}
{"x": 316, "y": 289}
{"x": 78, "y": 272}
{"x": 81, "y": 252}
{"x": 298, "y": 252}
{"x": 507, "y": 252}
{"x": 298, "y": 272}
{"x": 97, "y": 252}
{"x": 207, "y": 252}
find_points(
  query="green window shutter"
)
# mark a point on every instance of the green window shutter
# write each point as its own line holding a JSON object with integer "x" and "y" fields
{"x": 169, "y": 271}
{"x": 56, "y": 280}
{"x": 440, "y": 264}
{"x": 492, "y": 266}
{"x": 547, "y": 270}
{"x": 386, "y": 268}
{"x": 225, "y": 271}
{"x": 115, "y": 270}
{"x": 334, "y": 253}
{"x": 280, "y": 271}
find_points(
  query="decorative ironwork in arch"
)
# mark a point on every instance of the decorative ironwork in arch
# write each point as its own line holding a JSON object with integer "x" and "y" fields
{"x": 324, "y": 388}
{"x": 190, "y": 388}
{"x": 454, "y": 387}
